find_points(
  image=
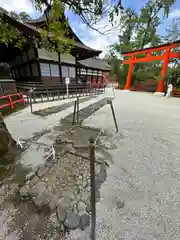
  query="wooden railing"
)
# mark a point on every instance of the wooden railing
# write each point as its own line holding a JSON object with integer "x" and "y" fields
{"x": 10, "y": 102}
{"x": 42, "y": 92}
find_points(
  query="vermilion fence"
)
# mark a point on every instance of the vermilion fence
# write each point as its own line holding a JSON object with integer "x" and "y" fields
{"x": 10, "y": 102}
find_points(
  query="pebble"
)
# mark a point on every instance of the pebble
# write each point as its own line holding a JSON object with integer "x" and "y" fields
{"x": 97, "y": 169}
{"x": 72, "y": 220}
{"x": 34, "y": 180}
{"x": 24, "y": 191}
{"x": 88, "y": 207}
{"x": 42, "y": 171}
{"x": 81, "y": 207}
{"x": 119, "y": 204}
{"x": 29, "y": 175}
{"x": 61, "y": 213}
{"x": 85, "y": 221}
{"x": 53, "y": 202}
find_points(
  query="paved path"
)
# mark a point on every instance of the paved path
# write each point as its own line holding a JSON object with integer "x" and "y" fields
{"x": 146, "y": 170}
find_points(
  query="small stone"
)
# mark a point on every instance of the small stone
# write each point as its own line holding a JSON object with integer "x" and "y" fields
{"x": 88, "y": 207}
{"x": 61, "y": 213}
{"x": 53, "y": 202}
{"x": 120, "y": 204}
{"x": 73, "y": 151}
{"x": 62, "y": 228}
{"x": 24, "y": 191}
{"x": 34, "y": 180}
{"x": 48, "y": 164}
{"x": 97, "y": 169}
{"x": 46, "y": 149}
{"x": 85, "y": 221}
{"x": 72, "y": 220}
{"x": 81, "y": 207}
{"x": 46, "y": 180}
{"x": 29, "y": 175}
{"x": 42, "y": 171}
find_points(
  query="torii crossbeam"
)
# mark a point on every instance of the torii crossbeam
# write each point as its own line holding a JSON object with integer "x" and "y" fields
{"x": 165, "y": 56}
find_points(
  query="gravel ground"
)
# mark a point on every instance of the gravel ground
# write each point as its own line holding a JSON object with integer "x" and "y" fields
{"x": 24, "y": 124}
{"x": 145, "y": 175}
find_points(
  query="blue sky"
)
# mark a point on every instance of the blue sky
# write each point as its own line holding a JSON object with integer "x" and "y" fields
{"x": 88, "y": 36}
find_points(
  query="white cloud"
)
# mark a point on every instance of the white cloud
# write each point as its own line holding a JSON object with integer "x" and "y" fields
{"x": 18, "y": 6}
{"x": 175, "y": 13}
{"x": 96, "y": 40}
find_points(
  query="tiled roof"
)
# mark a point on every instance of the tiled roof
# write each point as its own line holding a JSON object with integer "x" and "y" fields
{"x": 95, "y": 63}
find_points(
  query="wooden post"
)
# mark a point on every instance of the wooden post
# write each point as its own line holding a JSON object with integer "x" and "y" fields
{"x": 74, "y": 112}
{"x": 93, "y": 188}
{"x": 113, "y": 113}
{"x": 77, "y": 109}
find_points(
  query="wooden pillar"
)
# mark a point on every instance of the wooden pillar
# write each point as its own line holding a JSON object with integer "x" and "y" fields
{"x": 59, "y": 64}
{"x": 76, "y": 68}
{"x": 38, "y": 64}
{"x": 129, "y": 77}
{"x": 160, "y": 86}
{"x": 86, "y": 75}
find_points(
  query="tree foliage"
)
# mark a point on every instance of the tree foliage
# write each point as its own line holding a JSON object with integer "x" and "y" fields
{"x": 140, "y": 31}
{"x": 173, "y": 34}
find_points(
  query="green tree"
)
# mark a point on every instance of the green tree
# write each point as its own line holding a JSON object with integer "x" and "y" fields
{"x": 24, "y": 16}
{"x": 125, "y": 43}
{"x": 173, "y": 34}
{"x": 139, "y": 32}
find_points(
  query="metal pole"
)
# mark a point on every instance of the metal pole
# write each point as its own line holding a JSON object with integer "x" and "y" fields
{"x": 30, "y": 101}
{"x": 67, "y": 90}
{"x": 77, "y": 109}
{"x": 93, "y": 188}
{"x": 74, "y": 113}
{"x": 113, "y": 113}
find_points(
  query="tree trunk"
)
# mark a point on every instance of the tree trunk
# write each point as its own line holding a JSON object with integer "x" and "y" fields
{"x": 6, "y": 140}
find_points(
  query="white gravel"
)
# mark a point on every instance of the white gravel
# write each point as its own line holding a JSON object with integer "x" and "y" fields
{"x": 146, "y": 170}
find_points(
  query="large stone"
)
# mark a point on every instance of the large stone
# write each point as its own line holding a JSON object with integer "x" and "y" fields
{"x": 85, "y": 221}
{"x": 61, "y": 213}
{"x": 37, "y": 189}
{"x": 24, "y": 191}
{"x": 72, "y": 220}
{"x": 65, "y": 202}
{"x": 40, "y": 201}
{"x": 45, "y": 198}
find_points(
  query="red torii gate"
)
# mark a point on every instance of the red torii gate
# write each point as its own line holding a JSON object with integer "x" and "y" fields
{"x": 148, "y": 58}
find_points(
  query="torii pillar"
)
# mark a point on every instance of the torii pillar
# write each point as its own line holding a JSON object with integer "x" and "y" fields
{"x": 129, "y": 77}
{"x": 161, "y": 84}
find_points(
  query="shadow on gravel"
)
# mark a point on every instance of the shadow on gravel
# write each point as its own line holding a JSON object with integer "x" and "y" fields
{"x": 55, "y": 109}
